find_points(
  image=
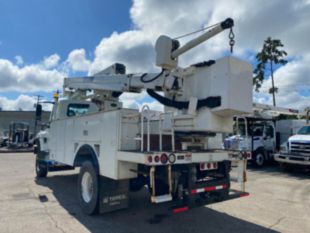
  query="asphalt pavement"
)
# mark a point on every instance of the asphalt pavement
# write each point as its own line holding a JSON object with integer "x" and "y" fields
{"x": 278, "y": 202}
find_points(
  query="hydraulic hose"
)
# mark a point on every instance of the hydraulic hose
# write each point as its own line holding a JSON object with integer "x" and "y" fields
{"x": 210, "y": 102}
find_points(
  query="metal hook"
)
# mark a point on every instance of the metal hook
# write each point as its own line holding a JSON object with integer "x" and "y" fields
{"x": 231, "y": 37}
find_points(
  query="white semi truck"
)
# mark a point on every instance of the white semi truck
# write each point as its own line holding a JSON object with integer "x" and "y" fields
{"x": 260, "y": 135}
{"x": 120, "y": 150}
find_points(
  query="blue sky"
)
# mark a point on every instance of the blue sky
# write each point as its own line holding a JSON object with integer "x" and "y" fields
{"x": 43, "y": 41}
{"x": 34, "y": 29}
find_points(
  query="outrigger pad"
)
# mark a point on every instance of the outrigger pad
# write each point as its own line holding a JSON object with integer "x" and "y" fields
{"x": 113, "y": 194}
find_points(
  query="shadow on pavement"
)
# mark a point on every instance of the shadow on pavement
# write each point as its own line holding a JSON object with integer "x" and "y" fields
{"x": 142, "y": 216}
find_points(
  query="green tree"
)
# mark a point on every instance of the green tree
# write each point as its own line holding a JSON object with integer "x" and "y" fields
{"x": 271, "y": 57}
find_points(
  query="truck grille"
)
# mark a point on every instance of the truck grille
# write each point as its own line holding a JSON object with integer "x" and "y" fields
{"x": 300, "y": 148}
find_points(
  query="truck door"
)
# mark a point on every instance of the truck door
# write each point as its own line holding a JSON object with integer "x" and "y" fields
{"x": 269, "y": 138}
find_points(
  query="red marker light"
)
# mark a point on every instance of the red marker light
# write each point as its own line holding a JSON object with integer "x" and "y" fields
{"x": 156, "y": 158}
{"x": 164, "y": 158}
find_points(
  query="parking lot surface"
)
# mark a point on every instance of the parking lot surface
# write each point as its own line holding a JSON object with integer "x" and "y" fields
{"x": 279, "y": 202}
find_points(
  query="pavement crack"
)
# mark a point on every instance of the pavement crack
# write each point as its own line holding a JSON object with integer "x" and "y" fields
{"x": 47, "y": 212}
{"x": 289, "y": 201}
{"x": 276, "y": 223}
{"x": 52, "y": 218}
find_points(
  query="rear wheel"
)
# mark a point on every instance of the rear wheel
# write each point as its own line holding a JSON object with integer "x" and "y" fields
{"x": 41, "y": 168}
{"x": 88, "y": 188}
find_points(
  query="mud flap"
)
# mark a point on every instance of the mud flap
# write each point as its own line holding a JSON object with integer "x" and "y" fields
{"x": 113, "y": 194}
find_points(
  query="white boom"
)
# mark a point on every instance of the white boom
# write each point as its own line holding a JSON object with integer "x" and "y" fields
{"x": 274, "y": 110}
{"x": 228, "y": 23}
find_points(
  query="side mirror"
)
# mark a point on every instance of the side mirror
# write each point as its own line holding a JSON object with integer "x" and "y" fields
{"x": 38, "y": 111}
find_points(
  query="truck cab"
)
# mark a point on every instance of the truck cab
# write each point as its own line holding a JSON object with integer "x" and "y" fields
{"x": 296, "y": 151}
{"x": 70, "y": 108}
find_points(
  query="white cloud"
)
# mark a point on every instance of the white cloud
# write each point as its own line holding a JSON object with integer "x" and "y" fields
{"x": 280, "y": 19}
{"x": 133, "y": 48}
{"x": 254, "y": 21}
{"x": 51, "y": 61}
{"x": 77, "y": 60}
{"x": 19, "y": 60}
{"x": 293, "y": 81}
{"x": 23, "y": 102}
{"x": 132, "y": 100}
{"x": 136, "y": 101}
{"x": 29, "y": 78}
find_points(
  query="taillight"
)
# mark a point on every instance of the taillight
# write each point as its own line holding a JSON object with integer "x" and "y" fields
{"x": 150, "y": 159}
{"x": 163, "y": 158}
{"x": 156, "y": 159}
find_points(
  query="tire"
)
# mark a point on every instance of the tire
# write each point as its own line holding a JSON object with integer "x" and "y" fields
{"x": 88, "y": 188}
{"x": 41, "y": 169}
{"x": 259, "y": 158}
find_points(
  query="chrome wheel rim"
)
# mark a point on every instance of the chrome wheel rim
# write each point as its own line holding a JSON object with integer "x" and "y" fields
{"x": 37, "y": 167}
{"x": 87, "y": 187}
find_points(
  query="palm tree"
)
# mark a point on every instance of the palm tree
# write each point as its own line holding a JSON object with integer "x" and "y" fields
{"x": 271, "y": 57}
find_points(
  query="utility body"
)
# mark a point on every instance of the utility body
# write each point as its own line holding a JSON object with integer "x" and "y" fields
{"x": 176, "y": 154}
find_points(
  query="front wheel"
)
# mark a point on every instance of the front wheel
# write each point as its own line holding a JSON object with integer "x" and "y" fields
{"x": 41, "y": 168}
{"x": 88, "y": 188}
{"x": 259, "y": 159}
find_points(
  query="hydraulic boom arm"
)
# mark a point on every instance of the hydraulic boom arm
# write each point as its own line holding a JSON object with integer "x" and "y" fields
{"x": 169, "y": 80}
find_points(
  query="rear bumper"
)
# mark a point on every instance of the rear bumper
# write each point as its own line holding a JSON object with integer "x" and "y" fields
{"x": 233, "y": 194}
{"x": 180, "y": 157}
{"x": 292, "y": 159}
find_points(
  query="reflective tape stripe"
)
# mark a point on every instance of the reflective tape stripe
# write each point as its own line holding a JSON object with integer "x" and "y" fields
{"x": 181, "y": 209}
{"x": 208, "y": 189}
{"x": 244, "y": 195}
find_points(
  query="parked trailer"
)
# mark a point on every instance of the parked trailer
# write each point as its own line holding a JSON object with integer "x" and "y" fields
{"x": 18, "y": 135}
{"x": 121, "y": 150}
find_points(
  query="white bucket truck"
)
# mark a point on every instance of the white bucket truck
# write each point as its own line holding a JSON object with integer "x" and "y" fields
{"x": 261, "y": 134}
{"x": 120, "y": 150}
